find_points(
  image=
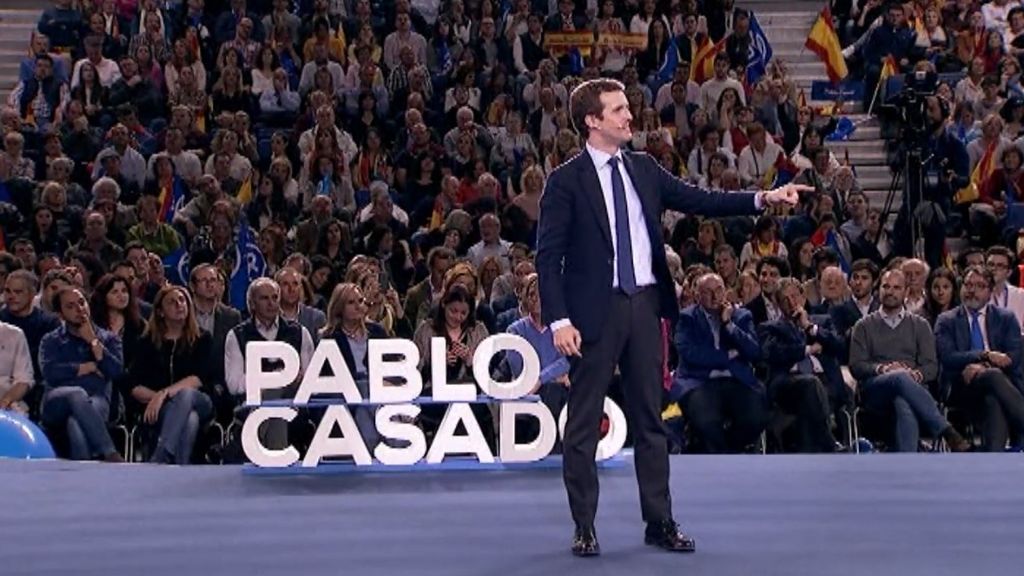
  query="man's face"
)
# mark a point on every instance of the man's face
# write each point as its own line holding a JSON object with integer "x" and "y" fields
{"x": 914, "y": 272}
{"x": 861, "y": 283}
{"x": 975, "y": 291}
{"x": 769, "y": 278}
{"x": 205, "y": 283}
{"x": 721, "y": 69}
{"x": 266, "y": 303}
{"x": 489, "y": 230}
{"x": 44, "y": 69}
{"x": 614, "y": 122}
{"x": 790, "y": 300}
{"x": 18, "y": 295}
{"x": 711, "y": 294}
{"x": 291, "y": 289}
{"x": 26, "y": 253}
{"x": 95, "y": 226}
{"x": 441, "y": 265}
{"x": 74, "y": 309}
{"x": 725, "y": 265}
{"x": 893, "y": 290}
{"x": 999, "y": 266}
{"x": 833, "y": 283}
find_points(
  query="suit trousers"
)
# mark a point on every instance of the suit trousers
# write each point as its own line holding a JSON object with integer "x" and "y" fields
{"x": 996, "y": 405}
{"x": 708, "y": 407}
{"x": 631, "y": 339}
{"x": 804, "y": 396}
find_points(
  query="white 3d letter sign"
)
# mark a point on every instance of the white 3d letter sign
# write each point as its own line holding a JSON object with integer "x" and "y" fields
{"x": 395, "y": 386}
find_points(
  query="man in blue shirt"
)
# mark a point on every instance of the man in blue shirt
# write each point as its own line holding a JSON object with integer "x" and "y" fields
{"x": 79, "y": 361}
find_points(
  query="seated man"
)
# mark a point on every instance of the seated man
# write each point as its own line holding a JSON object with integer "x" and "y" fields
{"x": 15, "y": 368}
{"x": 803, "y": 354}
{"x": 892, "y": 355}
{"x": 979, "y": 346}
{"x": 79, "y": 362}
{"x": 266, "y": 325}
{"x": 717, "y": 347}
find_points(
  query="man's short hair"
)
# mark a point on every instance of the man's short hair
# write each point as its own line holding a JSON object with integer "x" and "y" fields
{"x": 585, "y": 100}
{"x": 25, "y": 276}
{"x": 1000, "y": 251}
{"x": 864, "y": 265}
{"x": 982, "y": 271}
{"x": 779, "y": 264}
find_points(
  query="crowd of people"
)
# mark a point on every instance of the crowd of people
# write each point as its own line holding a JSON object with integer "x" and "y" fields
{"x": 389, "y": 158}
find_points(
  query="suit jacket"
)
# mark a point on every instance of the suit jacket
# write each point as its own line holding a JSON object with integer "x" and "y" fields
{"x": 783, "y": 345}
{"x": 373, "y": 331}
{"x": 953, "y": 344}
{"x": 758, "y": 309}
{"x": 574, "y": 242}
{"x": 698, "y": 356}
{"x": 417, "y": 302}
{"x": 224, "y": 319}
{"x": 845, "y": 315}
{"x": 312, "y": 320}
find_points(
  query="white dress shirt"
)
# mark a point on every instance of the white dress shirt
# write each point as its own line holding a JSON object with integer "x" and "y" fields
{"x": 640, "y": 239}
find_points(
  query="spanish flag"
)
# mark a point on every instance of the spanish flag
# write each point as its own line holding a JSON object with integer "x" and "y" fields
{"x": 245, "y": 191}
{"x": 889, "y": 68}
{"x": 703, "y": 66}
{"x": 983, "y": 170}
{"x": 823, "y": 41}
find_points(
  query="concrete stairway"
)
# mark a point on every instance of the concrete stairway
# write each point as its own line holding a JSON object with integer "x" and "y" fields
{"x": 787, "y": 25}
{"x": 18, "y": 18}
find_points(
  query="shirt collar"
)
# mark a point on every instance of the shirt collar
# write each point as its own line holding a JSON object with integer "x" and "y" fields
{"x": 267, "y": 327}
{"x": 601, "y": 158}
{"x": 898, "y": 317}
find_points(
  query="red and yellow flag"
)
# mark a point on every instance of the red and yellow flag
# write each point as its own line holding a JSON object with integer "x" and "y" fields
{"x": 703, "y": 66}
{"x": 983, "y": 170}
{"x": 889, "y": 68}
{"x": 823, "y": 41}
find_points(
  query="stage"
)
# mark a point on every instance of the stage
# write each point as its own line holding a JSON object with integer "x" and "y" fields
{"x": 877, "y": 514}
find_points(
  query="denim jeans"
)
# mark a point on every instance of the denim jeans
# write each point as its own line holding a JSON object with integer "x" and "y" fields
{"x": 83, "y": 416}
{"x": 912, "y": 403}
{"x": 180, "y": 420}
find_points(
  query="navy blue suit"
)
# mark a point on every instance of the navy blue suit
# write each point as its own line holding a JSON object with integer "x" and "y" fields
{"x": 575, "y": 260}
{"x": 574, "y": 239}
{"x": 810, "y": 397}
{"x": 709, "y": 400}
{"x": 994, "y": 397}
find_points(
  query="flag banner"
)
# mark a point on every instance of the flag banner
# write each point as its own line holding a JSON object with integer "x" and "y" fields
{"x": 249, "y": 265}
{"x": 668, "y": 67}
{"x": 823, "y": 41}
{"x": 845, "y": 91}
{"x": 622, "y": 40}
{"x": 559, "y": 43}
{"x": 760, "y": 52}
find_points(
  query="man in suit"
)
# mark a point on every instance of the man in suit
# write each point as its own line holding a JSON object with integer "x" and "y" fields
{"x": 862, "y": 301}
{"x": 803, "y": 352}
{"x": 764, "y": 307}
{"x": 979, "y": 347}
{"x": 207, "y": 284}
{"x": 423, "y": 295}
{"x": 718, "y": 346}
{"x": 605, "y": 285}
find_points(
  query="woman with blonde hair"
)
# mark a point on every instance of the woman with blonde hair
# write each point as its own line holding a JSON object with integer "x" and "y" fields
{"x": 348, "y": 326}
{"x": 170, "y": 371}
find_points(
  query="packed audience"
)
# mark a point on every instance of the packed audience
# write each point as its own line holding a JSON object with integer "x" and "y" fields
{"x": 388, "y": 158}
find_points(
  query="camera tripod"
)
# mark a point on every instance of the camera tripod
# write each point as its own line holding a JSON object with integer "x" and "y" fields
{"x": 912, "y": 174}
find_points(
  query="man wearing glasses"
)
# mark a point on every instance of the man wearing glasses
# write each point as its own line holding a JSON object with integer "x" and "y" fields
{"x": 207, "y": 285}
{"x": 999, "y": 260}
{"x": 979, "y": 346}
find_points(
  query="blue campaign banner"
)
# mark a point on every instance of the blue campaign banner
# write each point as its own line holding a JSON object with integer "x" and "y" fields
{"x": 848, "y": 91}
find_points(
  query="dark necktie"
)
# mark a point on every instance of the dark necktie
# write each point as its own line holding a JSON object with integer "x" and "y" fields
{"x": 977, "y": 339}
{"x": 624, "y": 243}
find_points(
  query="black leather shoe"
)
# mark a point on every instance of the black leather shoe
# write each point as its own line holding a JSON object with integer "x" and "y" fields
{"x": 668, "y": 536}
{"x": 584, "y": 543}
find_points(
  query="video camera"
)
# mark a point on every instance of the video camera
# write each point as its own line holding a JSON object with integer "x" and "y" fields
{"x": 911, "y": 104}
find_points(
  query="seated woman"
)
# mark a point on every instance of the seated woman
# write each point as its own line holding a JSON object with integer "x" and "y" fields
{"x": 454, "y": 319}
{"x": 169, "y": 375}
{"x": 348, "y": 326}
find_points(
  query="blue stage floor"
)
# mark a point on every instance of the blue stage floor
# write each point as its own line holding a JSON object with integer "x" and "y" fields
{"x": 873, "y": 515}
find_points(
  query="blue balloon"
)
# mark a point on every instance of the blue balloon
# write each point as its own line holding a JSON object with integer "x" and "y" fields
{"x": 21, "y": 439}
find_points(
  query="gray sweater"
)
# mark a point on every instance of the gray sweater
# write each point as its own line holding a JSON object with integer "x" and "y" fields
{"x": 874, "y": 343}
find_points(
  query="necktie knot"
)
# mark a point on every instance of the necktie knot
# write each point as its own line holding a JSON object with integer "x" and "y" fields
{"x": 613, "y": 162}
